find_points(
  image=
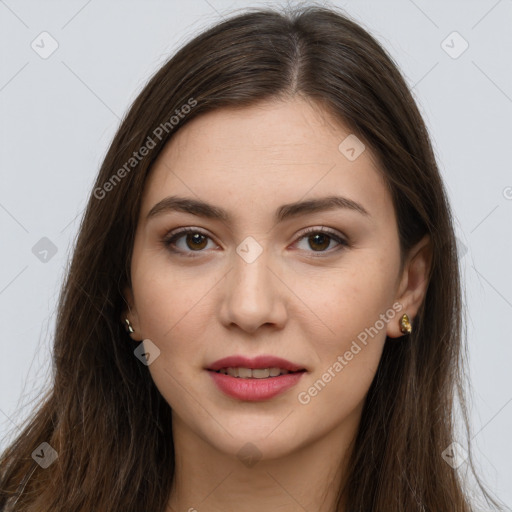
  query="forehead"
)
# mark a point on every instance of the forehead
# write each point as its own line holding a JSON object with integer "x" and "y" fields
{"x": 265, "y": 155}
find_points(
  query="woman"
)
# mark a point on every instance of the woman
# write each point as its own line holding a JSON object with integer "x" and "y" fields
{"x": 270, "y": 229}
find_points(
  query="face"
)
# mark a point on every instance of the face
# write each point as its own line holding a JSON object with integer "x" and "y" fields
{"x": 317, "y": 287}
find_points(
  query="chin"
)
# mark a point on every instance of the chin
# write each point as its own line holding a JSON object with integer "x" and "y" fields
{"x": 265, "y": 440}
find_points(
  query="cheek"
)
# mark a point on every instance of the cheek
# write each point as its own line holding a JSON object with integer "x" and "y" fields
{"x": 171, "y": 304}
{"x": 356, "y": 306}
{"x": 346, "y": 360}
{"x": 351, "y": 300}
{"x": 171, "y": 312}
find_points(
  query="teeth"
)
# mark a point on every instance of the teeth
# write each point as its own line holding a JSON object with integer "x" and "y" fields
{"x": 245, "y": 373}
{"x": 261, "y": 373}
{"x": 257, "y": 373}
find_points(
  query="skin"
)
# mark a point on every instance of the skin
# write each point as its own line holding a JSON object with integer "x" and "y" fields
{"x": 287, "y": 302}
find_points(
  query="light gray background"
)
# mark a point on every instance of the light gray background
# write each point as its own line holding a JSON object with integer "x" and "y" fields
{"x": 59, "y": 114}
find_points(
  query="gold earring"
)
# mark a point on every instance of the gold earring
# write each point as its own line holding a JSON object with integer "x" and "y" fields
{"x": 128, "y": 326}
{"x": 405, "y": 324}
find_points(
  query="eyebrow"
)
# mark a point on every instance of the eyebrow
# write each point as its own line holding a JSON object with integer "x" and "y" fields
{"x": 284, "y": 212}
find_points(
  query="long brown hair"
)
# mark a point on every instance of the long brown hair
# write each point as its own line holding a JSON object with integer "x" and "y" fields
{"x": 103, "y": 414}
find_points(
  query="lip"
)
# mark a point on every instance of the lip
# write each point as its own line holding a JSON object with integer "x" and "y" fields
{"x": 264, "y": 361}
{"x": 255, "y": 389}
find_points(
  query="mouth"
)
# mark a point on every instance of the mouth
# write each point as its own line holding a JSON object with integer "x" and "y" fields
{"x": 240, "y": 366}
{"x": 254, "y": 379}
{"x": 255, "y": 388}
{"x": 255, "y": 373}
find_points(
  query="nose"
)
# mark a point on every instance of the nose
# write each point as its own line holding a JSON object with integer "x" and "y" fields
{"x": 253, "y": 295}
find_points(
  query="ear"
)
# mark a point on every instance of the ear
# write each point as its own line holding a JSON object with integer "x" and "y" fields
{"x": 130, "y": 313}
{"x": 413, "y": 283}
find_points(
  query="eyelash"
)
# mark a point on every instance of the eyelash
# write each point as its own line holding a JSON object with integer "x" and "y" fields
{"x": 171, "y": 238}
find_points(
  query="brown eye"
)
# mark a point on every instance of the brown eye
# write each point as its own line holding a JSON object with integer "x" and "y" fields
{"x": 195, "y": 241}
{"x": 319, "y": 240}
